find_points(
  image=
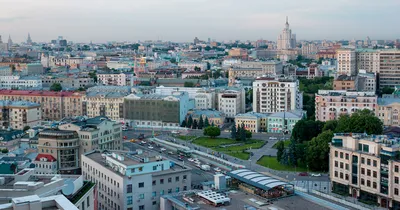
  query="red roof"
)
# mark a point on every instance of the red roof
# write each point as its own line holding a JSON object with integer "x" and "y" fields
{"x": 36, "y": 93}
{"x": 49, "y": 158}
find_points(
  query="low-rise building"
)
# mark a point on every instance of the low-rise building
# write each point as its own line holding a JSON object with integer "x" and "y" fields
{"x": 387, "y": 110}
{"x": 20, "y": 83}
{"x": 45, "y": 164}
{"x": 18, "y": 114}
{"x": 68, "y": 82}
{"x": 116, "y": 79}
{"x": 10, "y": 139}
{"x": 214, "y": 117}
{"x": 344, "y": 82}
{"x": 366, "y": 81}
{"x": 191, "y": 66}
{"x": 231, "y": 102}
{"x": 330, "y": 104}
{"x": 284, "y": 122}
{"x": 253, "y": 70}
{"x": 366, "y": 167}
{"x": 34, "y": 69}
{"x": 252, "y": 121}
{"x": 133, "y": 180}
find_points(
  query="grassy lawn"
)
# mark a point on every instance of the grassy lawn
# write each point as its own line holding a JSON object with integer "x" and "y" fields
{"x": 286, "y": 143}
{"x": 235, "y": 151}
{"x": 185, "y": 138}
{"x": 272, "y": 163}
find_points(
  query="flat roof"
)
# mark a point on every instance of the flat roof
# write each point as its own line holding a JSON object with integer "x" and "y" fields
{"x": 256, "y": 179}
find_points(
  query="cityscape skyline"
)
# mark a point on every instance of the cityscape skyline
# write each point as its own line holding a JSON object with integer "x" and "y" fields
{"x": 183, "y": 20}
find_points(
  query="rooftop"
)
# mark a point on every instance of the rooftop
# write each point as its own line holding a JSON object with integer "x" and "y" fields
{"x": 8, "y": 135}
{"x": 38, "y": 93}
{"x": 22, "y": 104}
{"x": 292, "y": 114}
{"x": 252, "y": 115}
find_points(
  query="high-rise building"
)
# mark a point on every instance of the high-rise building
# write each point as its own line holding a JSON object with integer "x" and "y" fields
{"x": 366, "y": 167}
{"x": 346, "y": 62}
{"x": 10, "y": 42}
{"x": 272, "y": 95}
{"x": 286, "y": 40}
{"x": 29, "y": 40}
{"x": 389, "y": 68}
{"x": 133, "y": 180}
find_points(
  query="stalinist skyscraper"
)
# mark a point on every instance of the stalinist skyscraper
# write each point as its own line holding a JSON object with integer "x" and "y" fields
{"x": 286, "y": 40}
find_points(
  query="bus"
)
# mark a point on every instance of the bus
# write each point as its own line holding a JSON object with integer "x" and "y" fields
{"x": 185, "y": 153}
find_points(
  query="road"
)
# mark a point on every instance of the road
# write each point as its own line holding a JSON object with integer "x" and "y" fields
{"x": 250, "y": 164}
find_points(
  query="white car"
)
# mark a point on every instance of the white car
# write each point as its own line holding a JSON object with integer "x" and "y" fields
{"x": 217, "y": 169}
{"x": 163, "y": 149}
{"x": 273, "y": 138}
{"x": 317, "y": 175}
{"x": 197, "y": 162}
{"x": 151, "y": 147}
{"x": 190, "y": 160}
{"x": 175, "y": 132}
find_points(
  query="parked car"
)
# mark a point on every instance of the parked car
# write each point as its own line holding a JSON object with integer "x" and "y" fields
{"x": 217, "y": 169}
{"x": 151, "y": 147}
{"x": 317, "y": 175}
{"x": 272, "y": 138}
{"x": 303, "y": 174}
{"x": 163, "y": 149}
{"x": 190, "y": 160}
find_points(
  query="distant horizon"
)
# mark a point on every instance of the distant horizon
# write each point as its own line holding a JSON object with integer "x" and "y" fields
{"x": 104, "y": 21}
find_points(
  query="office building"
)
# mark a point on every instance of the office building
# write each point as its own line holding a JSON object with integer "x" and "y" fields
{"x": 330, "y": 104}
{"x": 18, "y": 114}
{"x": 284, "y": 122}
{"x": 105, "y": 101}
{"x": 157, "y": 110}
{"x": 368, "y": 60}
{"x": 366, "y": 167}
{"x": 231, "y": 102}
{"x": 55, "y": 105}
{"x": 366, "y": 81}
{"x": 346, "y": 62}
{"x": 286, "y": 40}
{"x": 252, "y": 70}
{"x": 272, "y": 95}
{"x": 389, "y": 68}
{"x": 133, "y": 180}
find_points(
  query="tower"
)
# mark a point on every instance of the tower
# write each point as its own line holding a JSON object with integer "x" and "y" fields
{"x": 286, "y": 40}
{"x": 10, "y": 43}
{"x": 1, "y": 40}
{"x": 29, "y": 40}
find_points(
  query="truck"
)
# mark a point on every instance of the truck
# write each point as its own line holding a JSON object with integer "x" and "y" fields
{"x": 205, "y": 167}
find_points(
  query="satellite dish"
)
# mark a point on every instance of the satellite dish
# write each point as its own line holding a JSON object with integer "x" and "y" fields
{"x": 69, "y": 187}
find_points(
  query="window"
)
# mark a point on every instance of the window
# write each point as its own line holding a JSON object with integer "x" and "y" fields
{"x": 362, "y": 171}
{"x": 336, "y": 153}
{"x": 341, "y": 165}
{"x": 177, "y": 189}
{"x": 141, "y": 184}
{"x": 141, "y": 207}
{"x": 368, "y": 172}
{"x": 368, "y": 183}
{"x": 184, "y": 188}
{"x": 374, "y": 185}
{"x": 341, "y": 155}
{"x": 347, "y": 166}
{"x": 341, "y": 175}
{"x": 369, "y": 162}
{"x": 162, "y": 192}
{"x": 396, "y": 168}
{"x": 169, "y": 191}
{"x": 161, "y": 181}
{"x": 177, "y": 179}
{"x": 336, "y": 164}
{"x": 129, "y": 188}
{"x": 346, "y": 176}
{"x": 374, "y": 174}
{"x": 154, "y": 182}
{"x": 396, "y": 191}
{"x": 184, "y": 176}
{"x": 141, "y": 196}
{"x": 336, "y": 174}
{"x": 129, "y": 200}
{"x": 347, "y": 156}
{"x": 154, "y": 203}
{"x": 362, "y": 160}
{"x": 87, "y": 201}
{"x": 362, "y": 181}
{"x": 396, "y": 180}
{"x": 375, "y": 163}
{"x": 169, "y": 180}
{"x": 154, "y": 168}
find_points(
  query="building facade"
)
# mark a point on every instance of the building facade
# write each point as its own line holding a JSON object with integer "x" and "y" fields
{"x": 55, "y": 105}
{"x": 284, "y": 122}
{"x": 252, "y": 121}
{"x": 346, "y": 62}
{"x": 134, "y": 180}
{"x": 231, "y": 102}
{"x": 252, "y": 70}
{"x": 366, "y": 167}
{"x": 272, "y": 95}
{"x": 344, "y": 82}
{"x": 389, "y": 68}
{"x": 20, "y": 83}
{"x": 388, "y": 108}
{"x": 18, "y": 114}
{"x": 286, "y": 40}
{"x": 121, "y": 79}
{"x": 330, "y": 104}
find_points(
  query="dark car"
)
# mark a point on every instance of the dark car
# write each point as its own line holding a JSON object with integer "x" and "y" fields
{"x": 303, "y": 174}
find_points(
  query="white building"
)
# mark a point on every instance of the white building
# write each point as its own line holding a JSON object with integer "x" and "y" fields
{"x": 191, "y": 65}
{"x": 5, "y": 71}
{"x": 19, "y": 83}
{"x": 366, "y": 81}
{"x": 18, "y": 114}
{"x": 272, "y": 95}
{"x": 346, "y": 62}
{"x": 368, "y": 59}
{"x": 121, "y": 79}
{"x": 204, "y": 99}
{"x": 286, "y": 40}
{"x": 133, "y": 180}
{"x": 231, "y": 102}
{"x": 252, "y": 70}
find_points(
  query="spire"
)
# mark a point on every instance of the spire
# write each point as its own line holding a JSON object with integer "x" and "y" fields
{"x": 287, "y": 20}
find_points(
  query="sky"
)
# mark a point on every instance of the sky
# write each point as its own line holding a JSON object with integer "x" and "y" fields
{"x": 182, "y": 20}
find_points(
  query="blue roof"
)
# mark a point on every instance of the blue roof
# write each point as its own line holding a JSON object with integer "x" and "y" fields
{"x": 256, "y": 179}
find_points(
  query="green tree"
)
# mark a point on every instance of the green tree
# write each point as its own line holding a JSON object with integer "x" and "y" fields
{"x": 359, "y": 122}
{"x": 248, "y": 134}
{"x": 194, "y": 126}
{"x": 212, "y": 131}
{"x": 233, "y": 131}
{"x": 93, "y": 75}
{"x": 183, "y": 124}
{"x": 56, "y": 87}
{"x": 4, "y": 150}
{"x": 190, "y": 122}
{"x": 206, "y": 122}
{"x": 292, "y": 153}
{"x": 207, "y": 48}
{"x": 196, "y": 68}
{"x": 280, "y": 147}
{"x": 318, "y": 151}
{"x": 305, "y": 130}
{"x": 387, "y": 90}
{"x": 188, "y": 84}
{"x": 330, "y": 125}
{"x": 26, "y": 128}
{"x": 243, "y": 133}
{"x": 201, "y": 123}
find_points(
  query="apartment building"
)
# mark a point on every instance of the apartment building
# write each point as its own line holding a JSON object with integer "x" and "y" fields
{"x": 253, "y": 70}
{"x": 68, "y": 82}
{"x": 96, "y": 133}
{"x": 346, "y": 62}
{"x": 55, "y": 105}
{"x": 388, "y": 108}
{"x": 368, "y": 60}
{"x": 252, "y": 121}
{"x": 157, "y": 110}
{"x": 18, "y": 114}
{"x": 272, "y": 95}
{"x": 345, "y": 82}
{"x": 204, "y": 99}
{"x": 133, "y": 180}
{"x": 118, "y": 79}
{"x": 105, "y": 101}
{"x": 367, "y": 81}
{"x": 330, "y": 104}
{"x": 20, "y": 83}
{"x": 231, "y": 102}
{"x": 389, "y": 68}
{"x": 366, "y": 167}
